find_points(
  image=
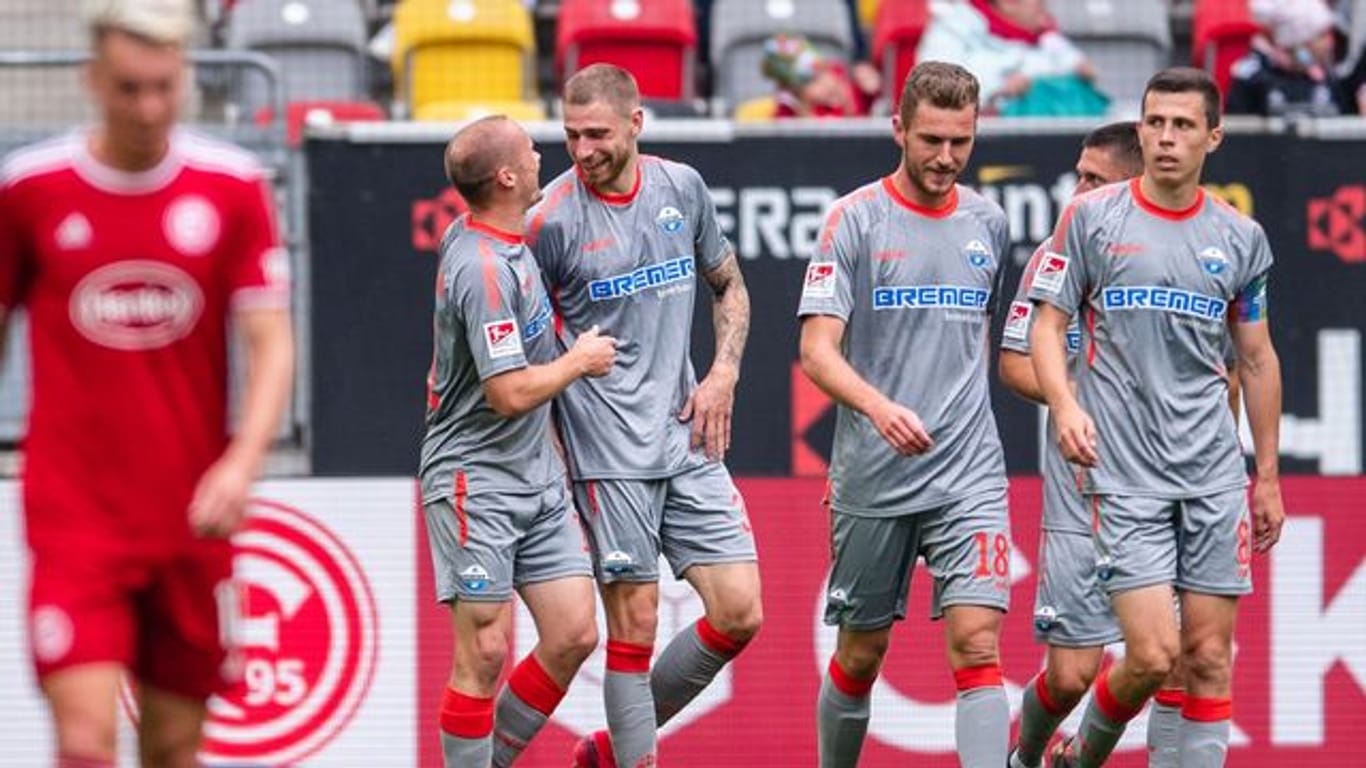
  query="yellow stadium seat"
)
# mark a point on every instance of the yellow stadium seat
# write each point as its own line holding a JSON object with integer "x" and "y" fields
{"x": 756, "y": 110}
{"x": 867, "y": 13}
{"x": 460, "y": 111}
{"x": 463, "y": 51}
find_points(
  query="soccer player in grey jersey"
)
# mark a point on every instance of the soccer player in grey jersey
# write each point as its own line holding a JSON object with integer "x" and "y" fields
{"x": 1072, "y": 614}
{"x": 621, "y": 239}
{"x": 1156, "y": 270}
{"x": 895, "y": 317}
{"x": 497, "y": 508}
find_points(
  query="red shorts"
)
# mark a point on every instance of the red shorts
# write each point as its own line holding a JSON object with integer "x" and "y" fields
{"x": 156, "y": 616}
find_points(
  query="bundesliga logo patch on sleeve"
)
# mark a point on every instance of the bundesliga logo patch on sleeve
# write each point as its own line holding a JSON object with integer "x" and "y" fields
{"x": 1017, "y": 320}
{"x": 820, "y": 281}
{"x": 1052, "y": 272}
{"x": 502, "y": 338}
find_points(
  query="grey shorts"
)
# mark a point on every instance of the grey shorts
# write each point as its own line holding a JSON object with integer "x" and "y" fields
{"x": 485, "y": 545}
{"x": 1070, "y": 608}
{"x": 693, "y": 518}
{"x": 1199, "y": 545}
{"x": 966, "y": 546}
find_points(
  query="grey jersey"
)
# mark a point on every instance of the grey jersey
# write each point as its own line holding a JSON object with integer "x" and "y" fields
{"x": 1155, "y": 290}
{"x": 629, "y": 264}
{"x": 493, "y": 315}
{"x": 915, "y": 289}
{"x": 1063, "y": 508}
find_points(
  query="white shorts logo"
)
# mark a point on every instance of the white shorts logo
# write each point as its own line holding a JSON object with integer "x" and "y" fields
{"x": 502, "y": 339}
{"x": 1052, "y": 272}
{"x": 820, "y": 281}
{"x": 1017, "y": 321}
{"x": 51, "y": 633}
{"x": 191, "y": 225}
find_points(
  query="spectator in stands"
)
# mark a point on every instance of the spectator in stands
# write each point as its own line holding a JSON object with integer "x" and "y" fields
{"x": 812, "y": 85}
{"x": 1290, "y": 69}
{"x": 1025, "y": 66}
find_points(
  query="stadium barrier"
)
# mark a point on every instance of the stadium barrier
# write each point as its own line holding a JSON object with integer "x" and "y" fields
{"x": 373, "y": 245}
{"x": 346, "y": 653}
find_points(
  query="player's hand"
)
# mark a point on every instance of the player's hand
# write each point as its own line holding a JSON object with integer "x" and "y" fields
{"x": 1076, "y": 435}
{"x": 1268, "y": 515}
{"x": 901, "y": 428}
{"x": 709, "y": 407}
{"x": 220, "y": 499}
{"x": 596, "y": 353}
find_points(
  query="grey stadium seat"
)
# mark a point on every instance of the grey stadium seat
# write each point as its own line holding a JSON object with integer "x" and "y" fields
{"x": 318, "y": 44}
{"x": 1126, "y": 41}
{"x": 740, "y": 27}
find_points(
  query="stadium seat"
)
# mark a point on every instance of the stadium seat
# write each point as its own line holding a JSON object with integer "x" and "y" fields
{"x": 460, "y": 111}
{"x": 1221, "y": 33}
{"x": 462, "y": 51}
{"x": 318, "y": 44}
{"x": 303, "y": 113}
{"x": 756, "y": 110}
{"x": 656, "y": 40}
{"x": 740, "y": 27}
{"x": 1126, "y": 41}
{"x": 895, "y": 37}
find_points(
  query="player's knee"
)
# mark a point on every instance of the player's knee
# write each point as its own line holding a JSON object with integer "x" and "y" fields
{"x": 574, "y": 645}
{"x": 82, "y": 734}
{"x": 169, "y": 750}
{"x": 974, "y": 648}
{"x": 486, "y": 653}
{"x": 634, "y": 621}
{"x": 1151, "y": 660}
{"x": 1208, "y": 661}
{"x": 862, "y": 658}
{"x": 739, "y": 621}
{"x": 1068, "y": 683}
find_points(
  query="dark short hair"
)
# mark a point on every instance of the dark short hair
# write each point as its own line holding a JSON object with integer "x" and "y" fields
{"x": 603, "y": 82}
{"x": 1188, "y": 80}
{"x": 943, "y": 85}
{"x": 473, "y": 159}
{"x": 1121, "y": 141}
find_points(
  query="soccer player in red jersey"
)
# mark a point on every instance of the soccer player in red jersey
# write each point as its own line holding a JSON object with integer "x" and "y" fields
{"x": 132, "y": 244}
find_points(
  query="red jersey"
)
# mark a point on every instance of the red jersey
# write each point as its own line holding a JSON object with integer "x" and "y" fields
{"x": 128, "y": 280}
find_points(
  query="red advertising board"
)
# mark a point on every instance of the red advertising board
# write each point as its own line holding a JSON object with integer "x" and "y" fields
{"x": 1299, "y": 674}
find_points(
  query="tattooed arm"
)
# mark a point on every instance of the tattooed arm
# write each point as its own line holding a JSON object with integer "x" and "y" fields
{"x": 711, "y": 403}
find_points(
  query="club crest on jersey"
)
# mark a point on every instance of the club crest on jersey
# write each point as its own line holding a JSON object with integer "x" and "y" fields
{"x": 670, "y": 220}
{"x": 978, "y": 254}
{"x": 1052, "y": 272}
{"x": 1017, "y": 320}
{"x": 1214, "y": 261}
{"x": 74, "y": 233}
{"x": 191, "y": 225}
{"x": 502, "y": 339}
{"x": 820, "y": 281}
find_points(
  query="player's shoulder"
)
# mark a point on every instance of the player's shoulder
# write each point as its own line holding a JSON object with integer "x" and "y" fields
{"x": 35, "y": 161}
{"x": 974, "y": 202}
{"x": 1229, "y": 216}
{"x": 215, "y": 157}
{"x": 554, "y": 205}
{"x": 670, "y": 171}
{"x": 862, "y": 200}
{"x": 1102, "y": 202}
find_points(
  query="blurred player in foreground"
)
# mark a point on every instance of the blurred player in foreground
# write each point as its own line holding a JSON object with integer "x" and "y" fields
{"x": 895, "y": 328}
{"x": 622, "y": 238}
{"x": 1155, "y": 268}
{"x": 499, "y": 517}
{"x": 134, "y": 245}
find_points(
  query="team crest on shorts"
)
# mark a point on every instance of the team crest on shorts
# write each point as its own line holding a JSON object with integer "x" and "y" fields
{"x": 670, "y": 219}
{"x": 51, "y": 633}
{"x": 820, "y": 281}
{"x": 191, "y": 225}
{"x": 475, "y": 578}
{"x": 978, "y": 254}
{"x": 617, "y": 561}
{"x": 502, "y": 339}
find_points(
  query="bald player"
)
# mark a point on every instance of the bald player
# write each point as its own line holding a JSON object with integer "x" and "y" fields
{"x": 622, "y": 238}
{"x": 1072, "y": 615}
{"x": 499, "y": 518}
{"x": 895, "y": 316}
{"x": 1160, "y": 274}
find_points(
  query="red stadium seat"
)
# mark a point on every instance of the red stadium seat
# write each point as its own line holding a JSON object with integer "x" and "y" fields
{"x": 655, "y": 40}
{"x": 300, "y": 113}
{"x": 1221, "y": 33}
{"x": 895, "y": 37}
